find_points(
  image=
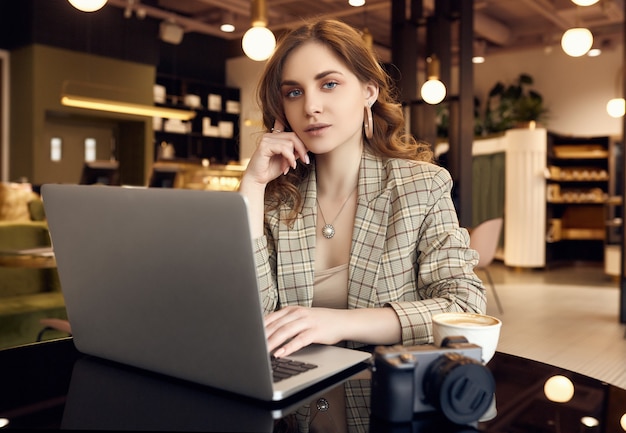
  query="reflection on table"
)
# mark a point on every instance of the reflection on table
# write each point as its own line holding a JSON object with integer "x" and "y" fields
{"x": 52, "y": 386}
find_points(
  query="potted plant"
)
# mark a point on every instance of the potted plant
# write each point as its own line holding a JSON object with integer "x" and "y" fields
{"x": 513, "y": 105}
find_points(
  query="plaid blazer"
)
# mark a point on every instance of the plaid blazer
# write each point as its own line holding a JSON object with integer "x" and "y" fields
{"x": 408, "y": 251}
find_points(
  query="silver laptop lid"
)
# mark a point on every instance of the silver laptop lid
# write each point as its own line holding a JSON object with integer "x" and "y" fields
{"x": 162, "y": 279}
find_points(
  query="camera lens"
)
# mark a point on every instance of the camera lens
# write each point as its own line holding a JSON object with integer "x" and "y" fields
{"x": 460, "y": 387}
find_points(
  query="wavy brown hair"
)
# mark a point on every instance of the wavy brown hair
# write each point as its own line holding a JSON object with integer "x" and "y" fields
{"x": 389, "y": 139}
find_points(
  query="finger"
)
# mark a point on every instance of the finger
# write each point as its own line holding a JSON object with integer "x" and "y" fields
{"x": 299, "y": 341}
{"x": 302, "y": 152}
{"x": 299, "y": 149}
{"x": 281, "y": 328}
{"x": 279, "y": 318}
{"x": 274, "y": 147}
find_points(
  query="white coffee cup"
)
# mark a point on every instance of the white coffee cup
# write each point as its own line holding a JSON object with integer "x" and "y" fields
{"x": 479, "y": 329}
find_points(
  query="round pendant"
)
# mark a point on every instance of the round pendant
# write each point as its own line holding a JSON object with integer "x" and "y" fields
{"x": 328, "y": 231}
{"x": 322, "y": 405}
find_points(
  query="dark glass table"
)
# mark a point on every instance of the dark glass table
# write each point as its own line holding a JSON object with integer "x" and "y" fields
{"x": 52, "y": 386}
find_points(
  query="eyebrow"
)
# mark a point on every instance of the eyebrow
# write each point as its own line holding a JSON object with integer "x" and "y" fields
{"x": 317, "y": 77}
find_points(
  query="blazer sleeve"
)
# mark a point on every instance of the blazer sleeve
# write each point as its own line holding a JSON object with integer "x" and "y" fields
{"x": 444, "y": 267}
{"x": 265, "y": 260}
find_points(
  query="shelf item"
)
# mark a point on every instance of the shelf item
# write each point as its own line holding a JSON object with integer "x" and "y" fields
{"x": 577, "y": 174}
{"x": 214, "y": 102}
{"x": 159, "y": 94}
{"x": 583, "y": 234}
{"x": 556, "y": 194}
{"x": 578, "y": 179}
{"x": 192, "y": 101}
{"x": 580, "y": 151}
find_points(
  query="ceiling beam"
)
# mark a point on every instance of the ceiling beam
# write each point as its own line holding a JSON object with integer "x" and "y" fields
{"x": 189, "y": 25}
{"x": 548, "y": 11}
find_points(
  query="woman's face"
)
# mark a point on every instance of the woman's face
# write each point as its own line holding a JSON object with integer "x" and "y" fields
{"x": 323, "y": 100}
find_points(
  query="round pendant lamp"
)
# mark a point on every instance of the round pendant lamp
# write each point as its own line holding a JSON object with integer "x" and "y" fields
{"x": 577, "y": 41}
{"x": 616, "y": 107}
{"x": 585, "y": 2}
{"x": 258, "y": 42}
{"x": 88, "y": 5}
{"x": 433, "y": 90}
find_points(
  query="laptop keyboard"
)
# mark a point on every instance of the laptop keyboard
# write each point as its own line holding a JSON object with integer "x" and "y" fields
{"x": 283, "y": 368}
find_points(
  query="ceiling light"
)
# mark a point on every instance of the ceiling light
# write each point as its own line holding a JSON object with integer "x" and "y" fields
{"x": 577, "y": 41}
{"x": 433, "y": 91}
{"x": 480, "y": 48}
{"x": 616, "y": 107}
{"x": 594, "y": 52}
{"x": 88, "y": 5}
{"x": 258, "y": 42}
{"x": 478, "y": 59}
{"x": 228, "y": 21}
{"x": 589, "y": 421}
{"x": 585, "y": 2}
{"x": 356, "y": 3}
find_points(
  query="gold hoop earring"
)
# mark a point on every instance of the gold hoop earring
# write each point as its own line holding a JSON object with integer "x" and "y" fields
{"x": 368, "y": 121}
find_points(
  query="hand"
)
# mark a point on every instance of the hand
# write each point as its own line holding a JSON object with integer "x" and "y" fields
{"x": 275, "y": 154}
{"x": 298, "y": 327}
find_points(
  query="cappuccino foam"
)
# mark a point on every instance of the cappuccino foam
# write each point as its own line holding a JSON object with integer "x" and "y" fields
{"x": 464, "y": 321}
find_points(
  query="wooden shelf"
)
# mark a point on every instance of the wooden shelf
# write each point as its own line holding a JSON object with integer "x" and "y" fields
{"x": 557, "y": 201}
{"x": 580, "y": 151}
{"x": 214, "y": 133}
{"x": 582, "y": 234}
{"x": 577, "y": 191}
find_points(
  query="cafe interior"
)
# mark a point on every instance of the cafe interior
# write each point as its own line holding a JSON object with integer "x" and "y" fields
{"x": 161, "y": 94}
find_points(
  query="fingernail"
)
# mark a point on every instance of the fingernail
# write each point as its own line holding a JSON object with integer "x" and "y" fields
{"x": 279, "y": 352}
{"x": 306, "y": 158}
{"x": 286, "y": 171}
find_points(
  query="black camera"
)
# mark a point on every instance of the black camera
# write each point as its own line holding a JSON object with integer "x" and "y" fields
{"x": 415, "y": 379}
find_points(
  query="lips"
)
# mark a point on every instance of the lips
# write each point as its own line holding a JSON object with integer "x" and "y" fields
{"x": 316, "y": 128}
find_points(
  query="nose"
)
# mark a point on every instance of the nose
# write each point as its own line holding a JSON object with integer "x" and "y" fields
{"x": 312, "y": 105}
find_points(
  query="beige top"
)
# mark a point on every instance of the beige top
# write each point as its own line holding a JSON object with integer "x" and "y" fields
{"x": 331, "y": 288}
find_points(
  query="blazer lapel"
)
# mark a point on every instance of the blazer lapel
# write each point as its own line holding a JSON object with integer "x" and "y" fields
{"x": 296, "y": 250}
{"x": 370, "y": 232}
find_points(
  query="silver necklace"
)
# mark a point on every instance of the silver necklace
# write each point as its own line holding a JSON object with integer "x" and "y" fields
{"x": 328, "y": 231}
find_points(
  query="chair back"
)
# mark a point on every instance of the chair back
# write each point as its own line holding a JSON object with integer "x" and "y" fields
{"x": 484, "y": 239}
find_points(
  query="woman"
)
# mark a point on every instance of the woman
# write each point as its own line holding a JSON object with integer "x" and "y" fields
{"x": 356, "y": 236}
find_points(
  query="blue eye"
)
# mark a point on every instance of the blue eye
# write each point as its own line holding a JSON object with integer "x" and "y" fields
{"x": 330, "y": 85}
{"x": 293, "y": 93}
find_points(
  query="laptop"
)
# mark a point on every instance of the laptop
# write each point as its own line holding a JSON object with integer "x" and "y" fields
{"x": 165, "y": 280}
